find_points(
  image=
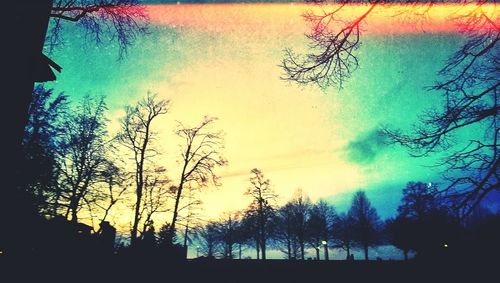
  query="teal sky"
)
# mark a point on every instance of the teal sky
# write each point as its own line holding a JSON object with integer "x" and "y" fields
{"x": 324, "y": 142}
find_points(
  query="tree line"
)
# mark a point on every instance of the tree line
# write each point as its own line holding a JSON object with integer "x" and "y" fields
{"x": 75, "y": 169}
{"x": 426, "y": 226}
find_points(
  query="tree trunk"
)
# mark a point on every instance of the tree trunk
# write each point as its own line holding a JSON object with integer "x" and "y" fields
{"x": 348, "y": 249}
{"x": 257, "y": 247}
{"x": 230, "y": 251}
{"x": 136, "y": 216}
{"x": 74, "y": 216}
{"x": 317, "y": 253}
{"x": 262, "y": 228}
{"x": 176, "y": 208}
{"x": 289, "y": 249}
{"x": 179, "y": 194}
{"x": 302, "y": 250}
{"x": 365, "y": 247}
{"x": 263, "y": 247}
{"x": 405, "y": 252}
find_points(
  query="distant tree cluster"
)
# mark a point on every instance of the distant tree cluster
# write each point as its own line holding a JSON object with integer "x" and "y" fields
{"x": 292, "y": 228}
{"x": 426, "y": 226}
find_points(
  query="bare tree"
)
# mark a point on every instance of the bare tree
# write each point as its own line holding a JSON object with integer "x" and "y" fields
{"x": 208, "y": 238}
{"x": 366, "y": 222}
{"x": 331, "y": 57}
{"x": 120, "y": 20}
{"x": 226, "y": 230}
{"x": 156, "y": 193}
{"x": 263, "y": 205}
{"x": 201, "y": 155}
{"x": 191, "y": 219}
{"x": 115, "y": 188}
{"x": 300, "y": 206}
{"x": 343, "y": 233}
{"x": 319, "y": 226}
{"x": 333, "y": 40}
{"x": 249, "y": 229}
{"x": 138, "y": 136}
{"x": 284, "y": 237}
{"x": 419, "y": 199}
{"x": 471, "y": 102}
{"x": 468, "y": 81}
{"x": 83, "y": 154}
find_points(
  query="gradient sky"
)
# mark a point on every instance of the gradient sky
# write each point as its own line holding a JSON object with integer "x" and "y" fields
{"x": 222, "y": 61}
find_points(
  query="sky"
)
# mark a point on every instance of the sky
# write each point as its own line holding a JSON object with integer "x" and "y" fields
{"x": 223, "y": 61}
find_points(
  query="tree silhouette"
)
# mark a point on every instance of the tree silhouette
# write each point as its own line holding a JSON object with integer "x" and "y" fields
{"x": 424, "y": 222}
{"x": 366, "y": 222}
{"x": 401, "y": 231}
{"x": 191, "y": 218}
{"x": 419, "y": 199}
{"x": 208, "y": 239}
{"x": 227, "y": 234}
{"x": 201, "y": 155}
{"x": 40, "y": 142}
{"x": 284, "y": 237}
{"x": 319, "y": 226}
{"x": 137, "y": 135}
{"x": 83, "y": 155}
{"x": 120, "y": 20}
{"x": 470, "y": 82}
{"x": 249, "y": 229}
{"x": 262, "y": 206}
{"x": 115, "y": 190}
{"x": 343, "y": 233}
{"x": 300, "y": 206}
{"x": 156, "y": 192}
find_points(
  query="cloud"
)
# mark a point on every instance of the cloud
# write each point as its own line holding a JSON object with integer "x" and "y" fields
{"x": 367, "y": 147}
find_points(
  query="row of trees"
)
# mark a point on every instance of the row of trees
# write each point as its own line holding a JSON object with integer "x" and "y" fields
{"x": 75, "y": 168}
{"x": 292, "y": 228}
{"x": 425, "y": 224}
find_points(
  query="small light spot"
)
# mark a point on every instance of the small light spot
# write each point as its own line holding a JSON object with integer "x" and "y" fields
{"x": 445, "y": 245}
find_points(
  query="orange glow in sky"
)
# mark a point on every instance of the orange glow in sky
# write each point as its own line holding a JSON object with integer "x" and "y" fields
{"x": 286, "y": 18}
